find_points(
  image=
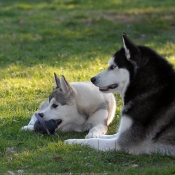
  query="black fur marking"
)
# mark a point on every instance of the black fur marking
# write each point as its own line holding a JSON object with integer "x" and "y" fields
{"x": 165, "y": 129}
{"x": 122, "y": 62}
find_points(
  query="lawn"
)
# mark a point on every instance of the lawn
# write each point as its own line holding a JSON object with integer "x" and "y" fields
{"x": 74, "y": 38}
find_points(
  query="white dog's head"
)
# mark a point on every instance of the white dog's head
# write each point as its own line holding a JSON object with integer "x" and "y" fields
{"x": 62, "y": 103}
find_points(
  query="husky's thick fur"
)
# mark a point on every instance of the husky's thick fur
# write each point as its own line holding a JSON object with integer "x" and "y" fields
{"x": 146, "y": 82}
{"x": 78, "y": 106}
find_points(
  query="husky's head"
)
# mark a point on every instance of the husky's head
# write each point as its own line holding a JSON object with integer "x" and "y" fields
{"x": 122, "y": 67}
{"x": 62, "y": 103}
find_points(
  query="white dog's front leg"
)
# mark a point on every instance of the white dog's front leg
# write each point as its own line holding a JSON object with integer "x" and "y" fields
{"x": 30, "y": 126}
{"x": 96, "y": 131}
{"x": 97, "y": 124}
{"x": 96, "y": 143}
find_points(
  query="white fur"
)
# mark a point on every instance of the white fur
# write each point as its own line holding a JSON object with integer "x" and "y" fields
{"x": 97, "y": 143}
{"x": 106, "y": 78}
{"x": 84, "y": 111}
{"x": 127, "y": 53}
{"x": 132, "y": 136}
{"x": 118, "y": 76}
{"x": 96, "y": 119}
{"x": 109, "y": 136}
{"x": 105, "y": 143}
{"x": 125, "y": 124}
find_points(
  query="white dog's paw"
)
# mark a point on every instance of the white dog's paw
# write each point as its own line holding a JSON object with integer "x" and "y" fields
{"x": 94, "y": 134}
{"x": 24, "y": 128}
{"x": 28, "y": 128}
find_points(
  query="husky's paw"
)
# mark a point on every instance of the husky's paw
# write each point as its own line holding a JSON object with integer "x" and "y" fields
{"x": 96, "y": 143}
{"x": 108, "y": 136}
{"x": 92, "y": 135}
{"x": 93, "y": 142}
{"x": 104, "y": 136}
{"x": 70, "y": 141}
{"x": 28, "y": 128}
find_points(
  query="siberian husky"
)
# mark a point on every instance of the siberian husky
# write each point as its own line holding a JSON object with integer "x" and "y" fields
{"x": 146, "y": 82}
{"x": 78, "y": 106}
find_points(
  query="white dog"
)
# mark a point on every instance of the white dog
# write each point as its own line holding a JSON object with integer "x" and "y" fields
{"x": 78, "y": 106}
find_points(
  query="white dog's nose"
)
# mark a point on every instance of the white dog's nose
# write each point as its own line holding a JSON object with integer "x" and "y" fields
{"x": 41, "y": 114}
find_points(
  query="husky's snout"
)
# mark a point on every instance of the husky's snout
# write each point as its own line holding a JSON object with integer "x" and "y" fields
{"x": 93, "y": 80}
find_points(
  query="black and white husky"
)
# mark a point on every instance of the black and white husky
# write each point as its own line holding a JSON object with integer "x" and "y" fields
{"x": 79, "y": 106}
{"x": 146, "y": 82}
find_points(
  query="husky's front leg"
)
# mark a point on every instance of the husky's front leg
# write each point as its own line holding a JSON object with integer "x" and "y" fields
{"x": 96, "y": 143}
{"x": 30, "y": 126}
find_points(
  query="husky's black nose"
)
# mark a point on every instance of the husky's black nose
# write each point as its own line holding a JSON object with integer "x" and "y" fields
{"x": 41, "y": 114}
{"x": 93, "y": 79}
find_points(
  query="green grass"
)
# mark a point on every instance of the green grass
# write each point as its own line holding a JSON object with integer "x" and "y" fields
{"x": 74, "y": 38}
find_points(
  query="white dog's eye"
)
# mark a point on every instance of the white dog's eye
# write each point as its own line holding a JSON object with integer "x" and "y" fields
{"x": 112, "y": 67}
{"x": 54, "y": 106}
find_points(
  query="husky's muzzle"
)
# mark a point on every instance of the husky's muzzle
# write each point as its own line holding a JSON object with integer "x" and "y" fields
{"x": 106, "y": 88}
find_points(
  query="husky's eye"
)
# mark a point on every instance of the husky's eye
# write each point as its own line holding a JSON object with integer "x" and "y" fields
{"x": 112, "y": 67}
{"x": 54, "y": 106}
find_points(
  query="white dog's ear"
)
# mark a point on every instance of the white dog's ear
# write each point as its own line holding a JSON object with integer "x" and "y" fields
{"x": 57, "y": 81}
{"x": 65, "y": 86}
{"x": 129, "y": 47}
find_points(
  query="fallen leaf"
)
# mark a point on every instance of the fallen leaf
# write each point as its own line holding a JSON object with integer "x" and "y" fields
{"x": 21, "y": 21}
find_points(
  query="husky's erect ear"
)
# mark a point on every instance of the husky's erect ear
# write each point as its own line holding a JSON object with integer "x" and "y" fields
{"x": 129, "y": 47}
{"x": 57, "y": 81}
{"x": 65, "y": 86}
